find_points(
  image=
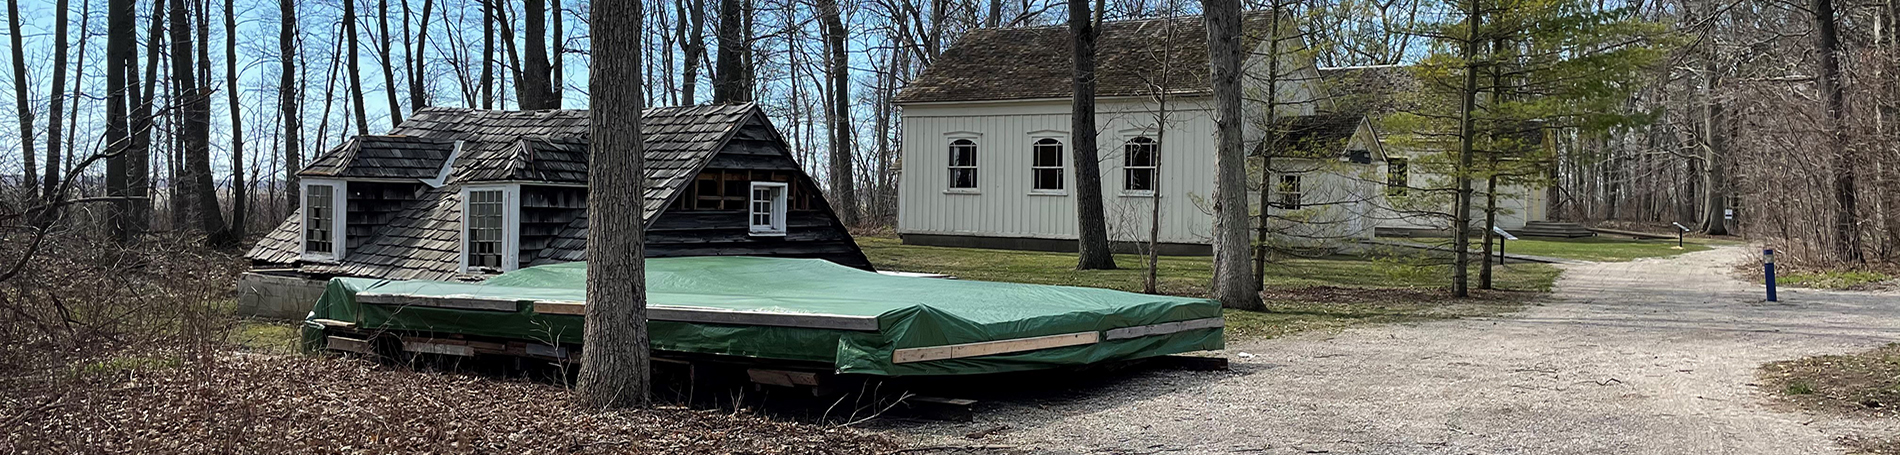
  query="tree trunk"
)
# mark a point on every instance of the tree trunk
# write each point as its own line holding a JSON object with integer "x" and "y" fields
{"x": 138, "y": 171}
{"x": 1234, "y": 285}
{"x": 353, "y": 67}
{"x": 387, "y": 61}
{"x": 728, "y": 77}
{"x": 121, "y": 37}
{"x": 79, "y": 83}
{"x": 20, "y": 99}
{"x": 1847, "y": 243}
{"x": 487, "y": 84}
{"x": 1467, "y": 133}
{"x": 615, "y": 363}
{"x": 57, "y": 100}
{"x": 691, "y": 32}
{"x": 1490, "y": 222}
{"x": 1091, "y": 232}
{"x": 1273, "y": 141}
{"x": 195, "y": 131}
{"x": 239, "y": 193}
{"x": 290, "y": 100}
{"x": 418, "y": 75}
{"x": 535, "y": 89}
{"x": 1714, "y": 173}
{"x": 560, "y": 47}
{"x": 843, "y": 180}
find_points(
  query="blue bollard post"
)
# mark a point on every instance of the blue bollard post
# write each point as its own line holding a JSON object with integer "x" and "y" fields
{"x": 1768, "y": 269}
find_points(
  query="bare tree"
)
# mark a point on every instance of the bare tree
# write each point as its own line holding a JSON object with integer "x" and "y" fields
{"x": 19, "y": 96}
{"x": 729, "y": 84}
{"x": 615, "y": 367}
{"x": 239, "y": 193}
{"x": 53, "y": 112}
{"x": 195, "y": 131}
{"x": 843, "y": 185}
{"x": 1234, "y": 285}
{"x": 690, "y": 30}
{"x": 290, "y": 99}
{"x": 353, "y": 67}
{"x": 121, "y": 35}
{"x": 383, "y": 58}
{"x": 1091, "y": 221}
{"x": 560, "y": 47}
{"x": 1847, "y": 243}
{"x": 536, "y": 90}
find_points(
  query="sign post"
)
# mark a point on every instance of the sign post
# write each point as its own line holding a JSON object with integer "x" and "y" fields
{"x": 1680, "y": 230}
{"x": 1768, "y": 270}
{"x": 1502, "y": 236}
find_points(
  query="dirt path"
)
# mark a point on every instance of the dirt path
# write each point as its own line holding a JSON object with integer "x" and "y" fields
{"x": 1645, "y": 357}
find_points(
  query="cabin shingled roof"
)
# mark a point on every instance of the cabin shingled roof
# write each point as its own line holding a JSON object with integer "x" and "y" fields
{"x": 1131, "y": 56}
{"x": 549, "y": 146}
{"x": 384, "y": 156}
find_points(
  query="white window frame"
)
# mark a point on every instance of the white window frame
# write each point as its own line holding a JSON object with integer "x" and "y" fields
{"x": 1061, "y": 139}
{"x": 1298, "y": 194}
{"x": 1154, "y": 167}
{"x": 510, "y": 226}
{"x": 339, "y": 220}
{"x": 778, "y": 209}
{"x": 975, "y": 167}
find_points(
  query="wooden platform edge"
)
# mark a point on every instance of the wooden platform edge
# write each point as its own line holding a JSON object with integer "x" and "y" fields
{"x": 983, "y": 348}
{"x": 1165, "y": 328}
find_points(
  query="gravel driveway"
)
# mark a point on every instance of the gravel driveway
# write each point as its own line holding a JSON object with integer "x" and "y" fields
{"x": 1647, "y": 357}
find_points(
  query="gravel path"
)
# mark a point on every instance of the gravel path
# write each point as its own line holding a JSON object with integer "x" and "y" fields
{"x": 1646, "y": 357}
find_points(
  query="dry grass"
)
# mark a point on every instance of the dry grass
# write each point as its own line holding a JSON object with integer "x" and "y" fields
{"x": 1864, "y": 384}
{"x": 249, "y": 403}
{"x": 108, "y": 348}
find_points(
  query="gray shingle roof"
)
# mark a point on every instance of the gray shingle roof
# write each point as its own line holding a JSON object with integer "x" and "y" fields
{"x": 1036, "y": 62}
{"x": 1370, "y": 90}
{"x": 1323, "y": 135}
{"x": 550, "y": 146}
{"x": 382, "y": 157}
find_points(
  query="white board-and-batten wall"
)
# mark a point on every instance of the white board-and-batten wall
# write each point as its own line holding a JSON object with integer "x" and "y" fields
{"x": 1004, "y": 203}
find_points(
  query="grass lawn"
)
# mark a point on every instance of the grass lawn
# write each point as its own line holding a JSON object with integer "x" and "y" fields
{"x": 1599, "y": 249}
{"x": 1302, "y": 294}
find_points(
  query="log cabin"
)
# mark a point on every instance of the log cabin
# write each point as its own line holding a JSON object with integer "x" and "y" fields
{"x": 462, "y": 195}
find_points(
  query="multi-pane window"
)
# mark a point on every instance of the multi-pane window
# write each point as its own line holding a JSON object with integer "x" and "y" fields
{"x": 1395, "y": 178}
{"x": 319, "y": 219}
{"x": 767, "y": 213}
{"x": 962, "y": 164}
{"x": 485, "y": 228}
{"x": 1047, "y": 165}
{"x": 1138, "y": 164}
{"x": 1289, "y": 191}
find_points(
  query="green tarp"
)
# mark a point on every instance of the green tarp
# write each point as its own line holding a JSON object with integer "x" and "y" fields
{"x": 909, "y": 312}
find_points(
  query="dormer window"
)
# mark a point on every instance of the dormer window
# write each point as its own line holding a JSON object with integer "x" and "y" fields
{"x": 322, "y": 220}
{"x": 490, "y": 216}
{"x": 767, "y": 212}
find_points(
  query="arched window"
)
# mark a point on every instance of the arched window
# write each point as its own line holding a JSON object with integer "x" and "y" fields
{"x": 962, "y": 164}
{"x": 1047, "y": 165}
{"x": 1139, "y": 159}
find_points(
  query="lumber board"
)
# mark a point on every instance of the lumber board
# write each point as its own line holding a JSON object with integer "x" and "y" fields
{"x": 1164, "y": 328}
{"x": 437, "y": 348}
{"x": 460, "y": 302}
{"x": 721, "y": 316}
{"x": 349, "y": 344}
{"x": 983, "y": 348}
{"x": 333, "y": 323}
{"x": 784, "y": 378}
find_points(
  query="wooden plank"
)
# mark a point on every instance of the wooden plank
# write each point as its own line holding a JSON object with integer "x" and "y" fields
{"x": 721, "y": 316}
{"x": 783, "y": 378}
{"x": 457, "y": 302}
{"x": 437, "y": 348}
{"x": 333, "y": 323}
{"x": 1164, "y": 328}
{"x": 958, "y": 351}
{"x": 349, "y": 344}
